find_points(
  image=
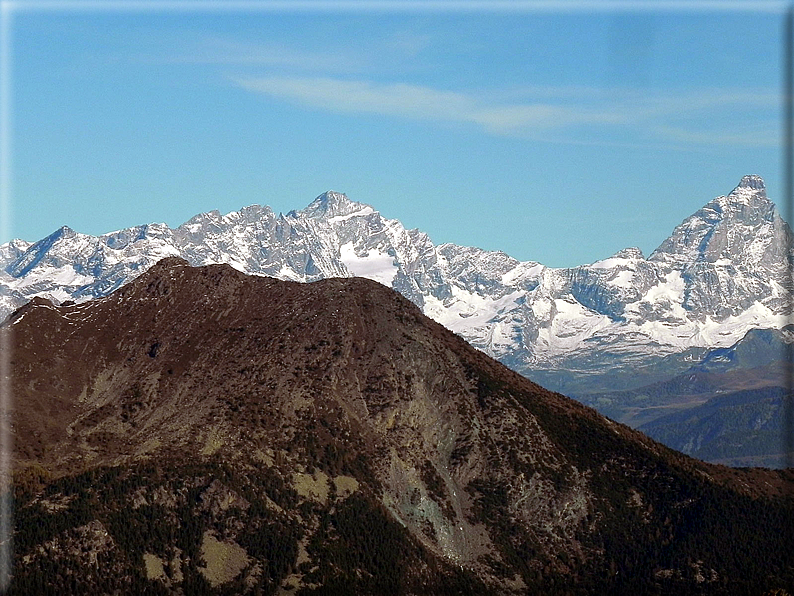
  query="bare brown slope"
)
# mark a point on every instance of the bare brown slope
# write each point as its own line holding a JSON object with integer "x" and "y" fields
{"x": 347, "y": 379}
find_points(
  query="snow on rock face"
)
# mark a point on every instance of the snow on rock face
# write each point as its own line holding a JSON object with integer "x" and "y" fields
{"x": 733, "y": 252}
{"x": 373, "y": 265}
{"x": 722, "y": 272}
{"x": 742, "y": 228}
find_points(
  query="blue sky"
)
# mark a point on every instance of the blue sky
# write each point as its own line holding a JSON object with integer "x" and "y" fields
{"x": 556, "y": 135}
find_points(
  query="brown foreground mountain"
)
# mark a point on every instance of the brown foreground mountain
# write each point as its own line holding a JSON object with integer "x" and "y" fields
{"x": 202, "y": 431}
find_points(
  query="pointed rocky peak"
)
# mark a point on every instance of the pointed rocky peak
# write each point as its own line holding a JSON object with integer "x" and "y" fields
{"x": 331, "y": 199}
{"x": 752, "y": 182}
{"x": 332, "y": 204}
{"x": 62, "y": 232}
{"x": 724, "y": 228}
{"x": 38, "y": 251}
{"x": 751, "y": 192}
{"x": 13, "y": 250}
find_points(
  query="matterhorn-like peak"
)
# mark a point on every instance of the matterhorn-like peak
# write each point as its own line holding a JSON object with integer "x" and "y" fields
{"x": 747, "y": 200}
{"x": 724, "y": 228}
{"x": 752, "y": 181}
{"x": 750, "y": 192}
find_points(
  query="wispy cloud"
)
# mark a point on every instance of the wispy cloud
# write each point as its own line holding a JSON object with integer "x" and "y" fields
{"x": 664, "y": 117}
{"x": 395, "y": 51}
{"x": 420, "y": 102}
{"x": 273, "y": 55}
{"x": 756, "y": 137}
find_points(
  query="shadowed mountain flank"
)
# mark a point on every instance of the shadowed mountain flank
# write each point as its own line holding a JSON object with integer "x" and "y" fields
{"x": 204, "y": 431}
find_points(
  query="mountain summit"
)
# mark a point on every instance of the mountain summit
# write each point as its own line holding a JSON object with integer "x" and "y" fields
{"x": 752, "y": 182}
{"x": 617, "y": 323}
{"x": 226, "y": 433}
{"x": 332, "y": 204}
{"x": 743, "y": 227}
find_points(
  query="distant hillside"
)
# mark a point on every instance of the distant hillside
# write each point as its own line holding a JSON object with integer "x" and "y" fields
{"x": 744, "y": 428}
{"x": 728, "y": 408}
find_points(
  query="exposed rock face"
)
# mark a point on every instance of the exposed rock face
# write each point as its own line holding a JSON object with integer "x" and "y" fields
{"x": 607, "y": 325}
{"x": 212, "y": 413}
{"x": 740, "y": 227}
{"x": 732, "y": 252}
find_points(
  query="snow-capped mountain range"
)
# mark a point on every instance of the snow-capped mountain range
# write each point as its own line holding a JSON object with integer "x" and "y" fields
{"x": 722, "y": 272}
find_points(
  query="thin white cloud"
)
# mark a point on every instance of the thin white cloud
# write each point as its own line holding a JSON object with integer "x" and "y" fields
{"x": 359, "y": 96}
{"x": 760, "y": 137}
{"x": 514, "y": 118}
{"x": 272, "y": 55}
{"x": 663, "y": 117}
{"x": 420, "y": 102}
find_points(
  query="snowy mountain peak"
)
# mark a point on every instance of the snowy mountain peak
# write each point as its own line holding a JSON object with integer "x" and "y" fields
{"x": 331, "y": 204}
{"x": 62, "y": 232}
{"x": 751, "y": 193}
{"x": 742, "y": 227}
{"x": 752, "y": 182}
{"x": 330, "y": 197}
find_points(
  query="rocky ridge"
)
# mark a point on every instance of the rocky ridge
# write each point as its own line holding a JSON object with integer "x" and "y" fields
{"x": 616, "y": 323}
